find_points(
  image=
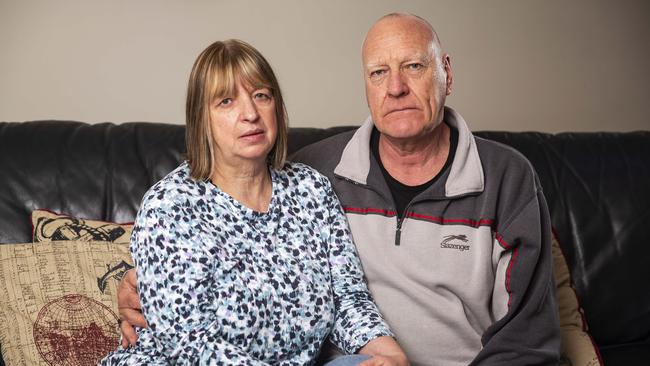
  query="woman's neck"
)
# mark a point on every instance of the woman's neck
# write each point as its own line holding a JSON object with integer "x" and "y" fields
{"x": 249, "y": 184}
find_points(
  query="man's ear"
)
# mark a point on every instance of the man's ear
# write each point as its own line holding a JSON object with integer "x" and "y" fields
{"x": 449, "y": 80}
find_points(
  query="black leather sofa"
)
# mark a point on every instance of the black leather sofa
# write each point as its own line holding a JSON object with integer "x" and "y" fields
{"x": 597, "y": 186}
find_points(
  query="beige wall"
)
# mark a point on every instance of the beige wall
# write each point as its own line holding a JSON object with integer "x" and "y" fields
{"x": 546, "y": 65}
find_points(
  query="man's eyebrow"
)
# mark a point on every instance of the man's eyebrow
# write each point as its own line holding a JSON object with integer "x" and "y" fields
{"x": 421, "y": 57}
{"x": 375, "y": 63}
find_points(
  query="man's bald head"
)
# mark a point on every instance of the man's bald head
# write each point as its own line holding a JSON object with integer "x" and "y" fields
{"x": 412, "y": 21}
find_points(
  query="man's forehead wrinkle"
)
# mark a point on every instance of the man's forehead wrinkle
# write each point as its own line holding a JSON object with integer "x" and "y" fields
{"x": 399, "y": 40}
{"x": 401, "y": 55}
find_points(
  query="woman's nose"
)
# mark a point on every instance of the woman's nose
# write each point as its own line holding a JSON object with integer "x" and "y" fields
{"x": 249, "y": 111}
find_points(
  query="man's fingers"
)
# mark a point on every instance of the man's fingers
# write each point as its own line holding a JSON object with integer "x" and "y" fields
{"x": 369, "y": 362}
{"x": 129, "y": 280}
{"x": 132, "y": 317}
{"x": 382, "y": 361}
{"x": 129, "y": 336}
{"x": 127, "y": 294}
{"x": 128, "y": 304}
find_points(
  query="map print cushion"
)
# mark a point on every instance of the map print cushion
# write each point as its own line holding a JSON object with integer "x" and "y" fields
{"x": 51, "y": 226}
{"x": 58, "y": 303}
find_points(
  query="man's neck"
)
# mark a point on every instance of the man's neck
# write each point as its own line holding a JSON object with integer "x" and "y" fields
{"x": 415, "y": 162}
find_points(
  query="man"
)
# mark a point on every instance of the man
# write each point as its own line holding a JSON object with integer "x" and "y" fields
{"x": 452, "y": 230}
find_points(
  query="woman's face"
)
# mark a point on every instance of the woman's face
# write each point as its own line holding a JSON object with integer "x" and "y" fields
{"x": 244, "y": 125}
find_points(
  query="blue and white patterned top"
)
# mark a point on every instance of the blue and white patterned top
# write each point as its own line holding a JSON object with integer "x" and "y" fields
{"x": 223, "y": 284}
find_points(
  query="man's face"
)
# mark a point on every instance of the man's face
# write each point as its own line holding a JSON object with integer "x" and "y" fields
{"x": 406, "y": 79}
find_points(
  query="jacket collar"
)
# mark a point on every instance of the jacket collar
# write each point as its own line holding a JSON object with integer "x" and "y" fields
{"x": 466, "y": 172}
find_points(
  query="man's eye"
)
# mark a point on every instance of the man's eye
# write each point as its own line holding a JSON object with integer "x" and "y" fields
{"x": 415, "y": 66}
{"x": 377, "y": 73}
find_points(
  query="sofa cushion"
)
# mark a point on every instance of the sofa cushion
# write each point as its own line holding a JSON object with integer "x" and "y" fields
{"x": 578, "y": 348}
{"x": 630, "y": 354}
{"x": 51, "y": 226}
{"x": 58, "y": 302}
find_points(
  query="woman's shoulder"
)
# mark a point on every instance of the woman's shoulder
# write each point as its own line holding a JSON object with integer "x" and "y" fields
{"x": 300, "y": 172}
{"x": 302, "y": 179}
{"x": 177, "y": 186}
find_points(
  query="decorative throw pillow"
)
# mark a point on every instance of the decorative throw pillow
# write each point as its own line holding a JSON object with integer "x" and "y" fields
{"x": 51, "y": 226}
{"x": 58, "y": 302}
{"x": 578, "y": 348}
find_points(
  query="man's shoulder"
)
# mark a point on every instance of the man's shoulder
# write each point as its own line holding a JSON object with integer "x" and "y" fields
{"x": 325, "y": 154}
{"x": 495, "y": 155}
{"x": 506, "y": 169}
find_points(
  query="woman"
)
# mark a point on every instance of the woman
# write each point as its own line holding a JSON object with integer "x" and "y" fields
{"x": 242, "y": 258}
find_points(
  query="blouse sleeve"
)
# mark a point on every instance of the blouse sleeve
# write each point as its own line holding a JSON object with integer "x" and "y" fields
{"x": 358, "y": 320}
{"x": 175, "y": 283}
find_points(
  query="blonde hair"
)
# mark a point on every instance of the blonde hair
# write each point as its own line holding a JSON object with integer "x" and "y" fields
{"x": 215, "y": 74}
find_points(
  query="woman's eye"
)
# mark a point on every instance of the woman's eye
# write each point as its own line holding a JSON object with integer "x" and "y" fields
{"x": 225, "y": 102}
{"x": 262, "y": 96}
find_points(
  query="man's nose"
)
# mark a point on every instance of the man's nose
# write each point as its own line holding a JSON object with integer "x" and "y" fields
{"x": 249, "y": 111}
{"x": 397, "y": 86}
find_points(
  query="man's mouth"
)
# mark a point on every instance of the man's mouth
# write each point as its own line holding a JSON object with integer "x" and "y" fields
{"x": 403, "y": 109}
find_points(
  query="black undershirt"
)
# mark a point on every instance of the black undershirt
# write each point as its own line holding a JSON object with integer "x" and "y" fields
{"x": 403, "y": 194}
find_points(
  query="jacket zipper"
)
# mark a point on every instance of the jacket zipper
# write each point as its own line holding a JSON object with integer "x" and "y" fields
{"x": 398, "y": 231}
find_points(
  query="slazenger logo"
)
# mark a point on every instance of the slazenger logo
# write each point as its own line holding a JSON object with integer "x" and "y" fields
{"x": 455, "y": 242}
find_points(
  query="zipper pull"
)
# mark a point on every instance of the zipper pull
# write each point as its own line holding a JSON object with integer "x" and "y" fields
{"x": 398, "y": 233}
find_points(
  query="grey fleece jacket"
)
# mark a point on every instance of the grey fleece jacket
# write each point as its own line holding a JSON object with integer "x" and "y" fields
{"x": 466, "y": 276}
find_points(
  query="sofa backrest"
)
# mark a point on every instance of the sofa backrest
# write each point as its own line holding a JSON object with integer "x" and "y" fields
{"x": 96, "y": 171}
{"x": 99, "y": 171}
{"x": 597, "y": 186}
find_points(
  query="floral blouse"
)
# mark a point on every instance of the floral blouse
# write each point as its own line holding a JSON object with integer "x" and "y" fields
{"x": 223, "y": 284}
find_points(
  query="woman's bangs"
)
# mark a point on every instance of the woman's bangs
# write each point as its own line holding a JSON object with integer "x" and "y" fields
{"x": 223, "y": 83}
{"x": 251, "y": 73}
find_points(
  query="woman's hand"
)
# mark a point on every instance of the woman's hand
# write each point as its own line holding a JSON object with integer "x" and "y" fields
{"x": 128, "y": 304}
{"x": 385, "y": 352}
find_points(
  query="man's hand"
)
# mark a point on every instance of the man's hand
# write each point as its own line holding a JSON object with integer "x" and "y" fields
{"x": 385, "y": 361}
{"x": 128, "y": 303}
{"x": 384, "y": 352}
